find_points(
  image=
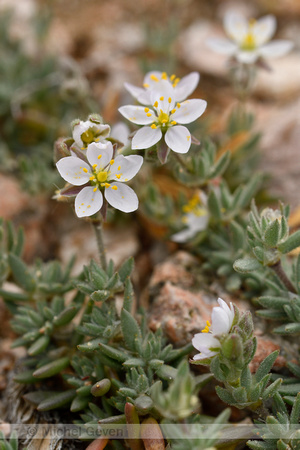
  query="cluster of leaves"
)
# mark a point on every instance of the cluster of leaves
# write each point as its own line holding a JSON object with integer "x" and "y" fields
{"x": 39, "y": 95}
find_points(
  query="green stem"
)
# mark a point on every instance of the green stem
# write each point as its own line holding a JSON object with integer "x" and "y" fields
{"x": 97, "y": 225}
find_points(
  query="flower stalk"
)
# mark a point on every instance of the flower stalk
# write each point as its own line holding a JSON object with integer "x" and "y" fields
{"x": 98, "y": 228}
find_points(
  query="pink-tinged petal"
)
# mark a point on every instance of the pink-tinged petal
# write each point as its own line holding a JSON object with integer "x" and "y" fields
{"x": 276, "y": 49}
{"x": 222, "y": 46}
{"x": 71, "y": 170}
{"x": 247, "y": 57}
{"x": 88, "y": 202}
{"x": 189, "y": 111}
{"x": 204, "y": 342}
{"x": 134, "y": 90}
{"x": 178, "y": 139}
{"x": 125, "y": 168}
{"x": 236, "y": 26}
{"x": 186, "y": 86}
{"x": 123, "y": 198}
{"x": 220, "y": 321}
{"x": 164, "y": 95}
{"x": 137, "y": 114}
{"x": 146, "y": 137}
{"x": 263, "y": 29}
{"x": 100, "y": 154}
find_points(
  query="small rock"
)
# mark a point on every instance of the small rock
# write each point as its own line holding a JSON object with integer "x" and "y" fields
{"x": 14, "y": 201}
{"x": 264, "y": 348}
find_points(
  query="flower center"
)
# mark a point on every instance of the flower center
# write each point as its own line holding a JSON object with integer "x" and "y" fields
{"x": 206, "y": 329}
{"x": 194, "y": 207}
{"x": 163, "y": 118}
{"x": 102, "y": 176}
{"x": 88, "y": 136}
{"x": 249, "y": 43}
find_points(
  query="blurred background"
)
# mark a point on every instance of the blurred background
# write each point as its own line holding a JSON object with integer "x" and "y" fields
{"x": 63, "y": 60}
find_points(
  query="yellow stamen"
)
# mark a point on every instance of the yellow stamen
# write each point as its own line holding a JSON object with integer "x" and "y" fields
{"x": 164, "y": 76}
{"x": 118, "y": 176}
{"x": 208, "y": 323}
{"x": 146, "y": 85}
{"x": 153, "y": 126}
{"x": 169, "y": 99}
{"x": 173, "y": 110}
{"x": 100, "y": 156}
{"x": 111, "y": 162}
{"x": 94, "y": 166}
{"x": 155, "y": 104}
{"x": 172, "y": 77}
{"x": 119, "y": 168}
{"x": 85, "y": 170}
{"x": 146, "y": 110}
{"x": 95, "y": 188}
{"x": 153, "y": 77}
{"x": 115, "y": 188}
{"x": 173, "y": 122}
{"x": 161, "y": 99}
{"x": 178, "y": 105}
{"x": 149, "y": 115}
{"x": 92, "y": 177}
{"x": 107, "y": 185}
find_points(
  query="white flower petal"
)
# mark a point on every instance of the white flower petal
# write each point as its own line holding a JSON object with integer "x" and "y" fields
{"x": 222, "y": 46}
{"x": 164, "y": 95}
{"x": 186, "y": 86}
{"x": 220, "y": 321}
{"x": 178, "y": 139}
{"x": 99, "y": 154}
{"x": 150, "y": 79}
{"x": 263, "y": 29}
{"x": 88, "y": 202}
{"x": 102, "y": 129}
{"x": 125, "y": 168}
{"x": 206, "y": 355}
{"x": 229, "y": 311}
{"x": 183, "y": 236}
{"x": 204, "y": 342}
{"x": 145, "y": 138}
{"x": 197, "y": 223}
{"x": 137, "y": 114}
{"x": 120, "y": 132}
{"x": 71, "y": 170}
{"x": 123, "y": 198}
{"x": 236, "y": 26}
{"x": 247, "y": 57}
{"x": 134, "y": 90}
{"x": 189, "y": 111}
{"x": 276, "y": 49}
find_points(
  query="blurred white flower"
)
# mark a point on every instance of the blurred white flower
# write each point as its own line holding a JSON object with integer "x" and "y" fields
{"x": 182, "y": 88}
{"x": 100, "y": 173}
{"x": 196, "y": 218}
{"x": 84, "y": 133}
{"x": 221, "y": 323}
{"x": 162, "y": 120}
{"x": 120, "y": 132}
{"x": 248, "y": 39}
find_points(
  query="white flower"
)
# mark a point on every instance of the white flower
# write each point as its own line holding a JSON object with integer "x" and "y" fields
{"x": 84, "y": 133}
{"x": 196, "y": 218}
{"x": 249, "y": 39}
{"x": 221, "y": 323}
{"x": 120, "y": 132}
{"x": 100, "y": 173}
{"x": 182, "y": 88}
{"x": 163, "y": 119}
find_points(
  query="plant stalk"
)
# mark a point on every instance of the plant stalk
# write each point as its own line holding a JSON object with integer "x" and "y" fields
{"x": 278, "y": 269}
{"x": 98, "y": 227}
